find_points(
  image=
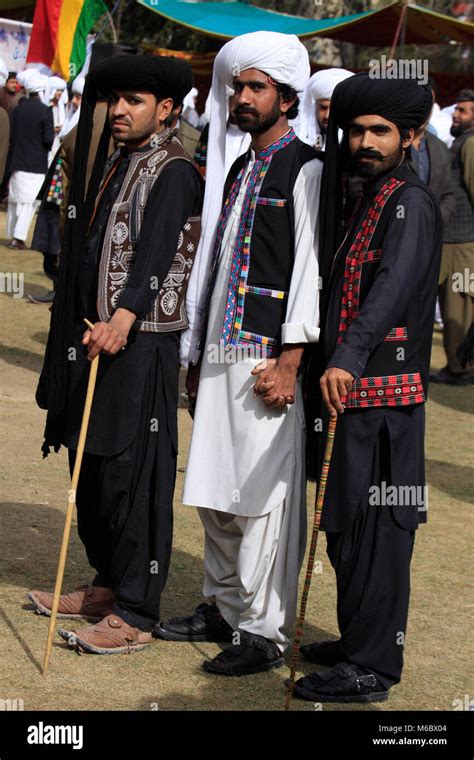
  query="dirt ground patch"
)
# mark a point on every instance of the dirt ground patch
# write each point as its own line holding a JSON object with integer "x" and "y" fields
{"x": 168, "y": 676}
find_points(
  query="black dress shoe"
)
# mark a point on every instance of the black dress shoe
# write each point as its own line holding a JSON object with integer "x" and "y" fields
{"x": 343, "y": 683}
{"x": 325, "y": 653}
{"x": 206, "y": 624}
{"x": 254, "y": 654}
{"x": 446, "y": 377}
{"x": 46, "y": 298}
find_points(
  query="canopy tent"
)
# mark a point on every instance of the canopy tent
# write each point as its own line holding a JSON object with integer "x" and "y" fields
{"x": 373, "y": 28}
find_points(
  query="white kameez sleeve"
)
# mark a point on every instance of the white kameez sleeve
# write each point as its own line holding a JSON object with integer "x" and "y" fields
{"x": 302, "y": 314}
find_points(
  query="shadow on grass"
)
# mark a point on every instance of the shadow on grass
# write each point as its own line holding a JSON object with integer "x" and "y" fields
{"x": 21, "y": 357}
{"x": 30, "y": 536}
{"x": 459, "y": 398}
{"x": 14, "y": 631}
{"x": 454, "y": 480}
{"x": 40, "y": 337}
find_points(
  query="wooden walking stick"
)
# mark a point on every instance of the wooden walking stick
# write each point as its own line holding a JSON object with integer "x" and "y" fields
{"x": 71, "y": 504}
{"x": 318, "y": 508}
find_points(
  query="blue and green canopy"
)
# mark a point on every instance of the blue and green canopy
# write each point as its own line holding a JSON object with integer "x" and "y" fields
{"x": 225, "y": 20}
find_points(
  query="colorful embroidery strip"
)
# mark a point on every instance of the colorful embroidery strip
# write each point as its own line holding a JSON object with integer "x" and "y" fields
{"x": 386, "y": 390}
{"x": 269, "y": 346}
{"x": 278, "y": 202}
{"x": 397, "y": 333}
{"x": 265, "y": 292}
{"x": 359, "y": 254}
{"x": 235, "y": 303}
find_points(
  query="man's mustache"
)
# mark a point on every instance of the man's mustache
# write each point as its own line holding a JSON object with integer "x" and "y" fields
{"x": 368, "y": 154}
{"x": 241, "y": 111}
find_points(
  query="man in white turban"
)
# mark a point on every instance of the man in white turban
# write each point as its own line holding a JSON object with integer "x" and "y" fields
{"x": 236, "y": 141}
{"x": 245, "y": 471}
{"x": 57, "y": 96}
{"x": 315, "y": 105}
{"x": 31, "y": 137}
{"x": 74, "y": 106}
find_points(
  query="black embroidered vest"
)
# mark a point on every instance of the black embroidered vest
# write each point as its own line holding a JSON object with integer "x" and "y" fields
{"x": 263, "y": 260}
{"x": 391, "y": 377}
{"x": 123, "y": 230}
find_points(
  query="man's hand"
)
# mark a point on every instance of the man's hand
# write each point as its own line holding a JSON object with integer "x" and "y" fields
{"x": 109, "y": 337}
{"x": 335, "y": 385}
{"x": 276, "y": 378}
{"x": 192, "y": 380}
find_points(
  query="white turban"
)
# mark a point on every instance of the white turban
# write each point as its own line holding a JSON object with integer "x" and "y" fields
{"x": 190, "y": 99}
{"x": 320, "y": 87}
{"x": 3, "y": 73}
{"x": 33, "y": 81}
{"x": 78, "y": 84}
{"x": 285, "y": 60}
{"x": 72, "y": 117}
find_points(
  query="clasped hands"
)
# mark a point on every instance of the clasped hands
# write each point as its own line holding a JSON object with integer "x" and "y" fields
{"x": 276, "y": 382}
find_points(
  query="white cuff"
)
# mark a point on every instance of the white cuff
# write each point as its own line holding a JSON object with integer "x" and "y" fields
{"x": 291, "y": 333}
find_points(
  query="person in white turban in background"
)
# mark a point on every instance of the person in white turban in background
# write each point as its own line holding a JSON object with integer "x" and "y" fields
{"x": 57, "y": 95}
{"x": 47, "y": 232}
{"x": 245, "y": 471}
{"x": 188, "y": 110}
{"x": 315, "y": 106}
{"x": 73, "y": 110}
{"x": 236, "y": 141}
{"x": 31, "y": 137}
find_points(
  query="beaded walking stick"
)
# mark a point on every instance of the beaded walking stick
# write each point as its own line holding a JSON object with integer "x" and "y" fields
{"x": 318, "y": 508}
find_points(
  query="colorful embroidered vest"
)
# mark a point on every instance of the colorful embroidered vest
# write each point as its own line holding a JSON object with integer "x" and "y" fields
{"x": 391, "y": 377}
{"x": 123, "y": 231}
{"x": 263, "y": 255}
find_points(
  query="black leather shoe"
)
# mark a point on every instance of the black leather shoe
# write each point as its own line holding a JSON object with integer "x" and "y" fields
{"x": 206, "y": 624}
{"x": 343, "y": 683}
{"x": 446, "y": 377}
{"x": 254, "y": 654}
{"x": 46, "y": 298}
{"x": 323, "y": 653}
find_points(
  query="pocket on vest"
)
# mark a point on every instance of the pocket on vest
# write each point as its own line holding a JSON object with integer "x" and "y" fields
{"x": 264, "y": 315}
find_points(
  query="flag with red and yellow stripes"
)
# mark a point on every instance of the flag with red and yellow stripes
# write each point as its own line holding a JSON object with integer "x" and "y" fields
{"x": 59, "y": 34}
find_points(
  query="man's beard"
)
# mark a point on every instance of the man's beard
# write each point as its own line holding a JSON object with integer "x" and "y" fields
{"x": 458, "y": 129}
{"x": 132, "y": 137}
{"x": 323, "y": 126}
{"x": 250, "y": 120}
{"x": 376, "y": 168}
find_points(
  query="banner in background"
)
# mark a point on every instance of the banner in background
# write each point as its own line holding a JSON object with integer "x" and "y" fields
{"x": 14, "y": 41}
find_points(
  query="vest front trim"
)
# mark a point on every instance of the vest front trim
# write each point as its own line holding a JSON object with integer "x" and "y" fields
{"x": 386, "y": 390}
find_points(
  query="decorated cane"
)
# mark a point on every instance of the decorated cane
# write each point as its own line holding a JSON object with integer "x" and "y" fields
{"x": 318, "y": 508}
{"x": 70, "y": 505}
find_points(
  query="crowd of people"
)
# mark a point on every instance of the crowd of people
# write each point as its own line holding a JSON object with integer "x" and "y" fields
{"x": 290, "y": 255}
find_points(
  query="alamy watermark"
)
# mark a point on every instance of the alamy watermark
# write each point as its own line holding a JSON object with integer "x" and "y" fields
{"x": 12, "y": 282}
{"x": 399, "y": 496}
{"x": 399, "y": 68}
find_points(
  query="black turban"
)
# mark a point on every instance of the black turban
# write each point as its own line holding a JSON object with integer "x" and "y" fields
{"x": 401, "y": 101}
{"x": 162, "y": 76}
{"x": 404, "y": 102}
{"x": 165, "y": 78}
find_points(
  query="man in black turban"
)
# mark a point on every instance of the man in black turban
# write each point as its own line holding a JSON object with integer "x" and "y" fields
{"x": 379, "y": 292}
{"x": 127, "y": 255}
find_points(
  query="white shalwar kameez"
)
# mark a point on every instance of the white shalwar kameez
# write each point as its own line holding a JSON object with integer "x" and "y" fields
{"x": 245, "y": 470}
{"x": 22, "y": 204}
